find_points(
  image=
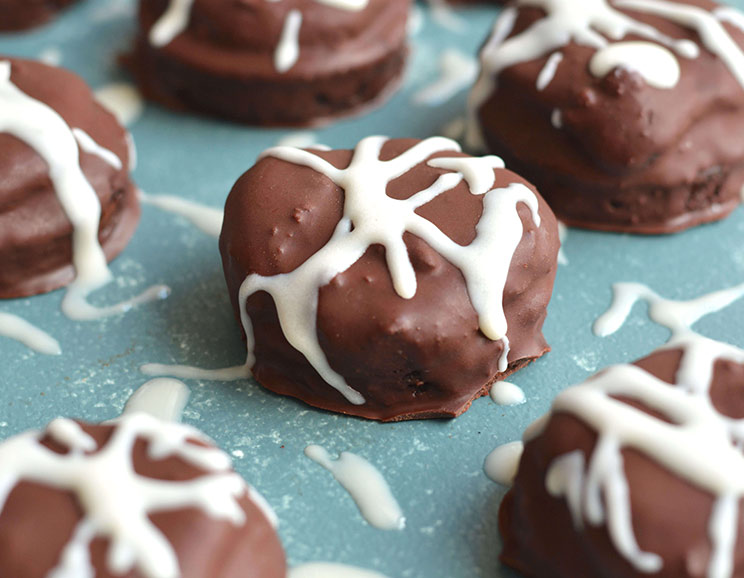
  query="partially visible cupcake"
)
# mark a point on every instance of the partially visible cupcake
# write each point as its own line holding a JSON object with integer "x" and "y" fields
{"x": 294, "y": 62}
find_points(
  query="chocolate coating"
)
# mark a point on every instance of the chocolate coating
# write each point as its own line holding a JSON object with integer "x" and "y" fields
{"x": 35, "y": 233}
{"x": 223, "y": 63}
{"x": 24, "y": 14}
{"x": 670, "y": 516}
{"x": 419, "y": 358}
{"x": 628, "y": 157}
{"x": 37, "y": 522}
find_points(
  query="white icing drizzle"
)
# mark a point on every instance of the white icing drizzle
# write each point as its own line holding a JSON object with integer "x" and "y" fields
{"x": 303, "y": 139}
{"x": 14, "y": 327}
{"x": 188, "y": 372}
{"x": 116, "y": 502}
{"x": 677, "y": 316}
{"x": 562, "y": 235}
{"x": 44, "y": 130}
{"x": 556, "y": 119}
{"x": 655, "y": 63}
{"x": 457, "y": 71}
{"x": 505, "y": 393}
{"x": 597, "y": 23}
{"x": 379, "y": 219}
{"x": 331, "y": 570}
{"x": 162, "y": 398}
{"x": 175, "y": 20}
{"x": 502, "y": 463}
{"x": 365, "y": 484}
{"x": 90, "y": 146}
{"x": 547, "y": 74}
{"x": 122, "y": 100}
{"x": 206, "y": 219}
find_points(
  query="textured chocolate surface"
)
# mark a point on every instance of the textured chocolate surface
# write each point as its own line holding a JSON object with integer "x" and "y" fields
{"x": 418, "y": 358}
{"x": 38, "y": 521}
{"x": 223, "y": 63}
{"x": 35, "y": 233}
{"x": 628, "y": 156}
{"x": 24, "y": 14}
{"x": 670, "y": 516}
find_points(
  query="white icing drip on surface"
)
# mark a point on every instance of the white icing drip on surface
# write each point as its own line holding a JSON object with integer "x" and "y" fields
{"x": 122, "y": 100}
{"x": 206, "y": 219}
{"x": 371, "y": 217}
{"x": 457, "y": 71}
{"x": 162, "y": 398}
{"x": 17, "y": 328}
{"x": 175, "y": 20}
{"x": 655, "y": 63}
{"x": 502, "y": 463}
{"x": 331, "y": 570}
{"x": 547, "y": 74}
{"x": 597, "y": 24}
{"x": 562, "y": 235}
{"x": 44, "y": 130}
{"x": 507, "y": 394}
{"x": 365, "y": 484}
{"x": 51, "y": 56}
{"x": 188, "y": 372}
{"x": 116, "y": 502}
{"x": 302, "y": 139}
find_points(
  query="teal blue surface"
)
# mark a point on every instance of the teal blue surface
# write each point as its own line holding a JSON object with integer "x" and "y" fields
{"x": 434, "y": 468}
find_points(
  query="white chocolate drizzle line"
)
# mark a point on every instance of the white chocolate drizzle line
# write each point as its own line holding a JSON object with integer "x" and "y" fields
{"x": 331, "y": 570}
{"x": 14, "y": 327}
{"x": 596, "y": 24}
{"x": 206, "y": 219}
{"x": 116, "y": 502}
{"x": 44, "y": 130}
{"x": 365, "y": 485}
{"x": 163, "y": 398}
{"x": 175, "y": 20}
{"x": 372, "y": 217}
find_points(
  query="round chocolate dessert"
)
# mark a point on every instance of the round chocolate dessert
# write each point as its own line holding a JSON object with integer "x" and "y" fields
{"x": 395, "y": 281}
{"x": 262, "y": 62}
{"x": 24, "y": 14}
{"x": 133, "y": 498}
{"x": 636, "y": 472}
{"x": 64, "y": 174}
{"x": 624, "y": 113}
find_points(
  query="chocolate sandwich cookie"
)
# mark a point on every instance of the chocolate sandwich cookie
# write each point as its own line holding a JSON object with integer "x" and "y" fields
{"x": 66, "y": 198}
{"x": 135, "y": 498}
{"x": 636, "y": 472}
{"x": 395, "y": 281}
{"x": 24, "y": 14}
{"x": 294, "y": 62}
{"x": 624, "y": 113}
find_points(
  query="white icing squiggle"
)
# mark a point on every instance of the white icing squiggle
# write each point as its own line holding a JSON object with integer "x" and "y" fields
{"x": 206, "y": 219}
{"x": 547, "y": 74}
{"x": 44, "y": 130}
{"x": 366, "y": 486}
{"x": 162, "y": 398}
{"x": 115, "y": 500}
{"x": 175, "y": 20}
{"x": 14, "y": 327}
{"x": 655, "y": 63}
{"x": 331, "y": 570}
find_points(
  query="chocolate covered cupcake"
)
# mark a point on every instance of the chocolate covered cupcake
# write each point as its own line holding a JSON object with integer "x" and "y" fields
{"x": 24, "y": 14}
{"x": 395, "y": 281}
{"x": 262, "y": 62}
{"x": 636, "y": 472}
{"x": 66, "y": 199}
{"x": 624, "y": 113}
{"x": 137, "y": 497}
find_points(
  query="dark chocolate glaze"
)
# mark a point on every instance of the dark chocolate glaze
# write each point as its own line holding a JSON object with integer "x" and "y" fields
{"x": 670, "y": 516}
{"x": 629, "y": 157}
{"x": 418, "y": 358}
{"x": 35, "y": 233}
{"x": 24, "y": 14}
{"x": 38, "y": 521}
{"x": 223, "y": 64}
